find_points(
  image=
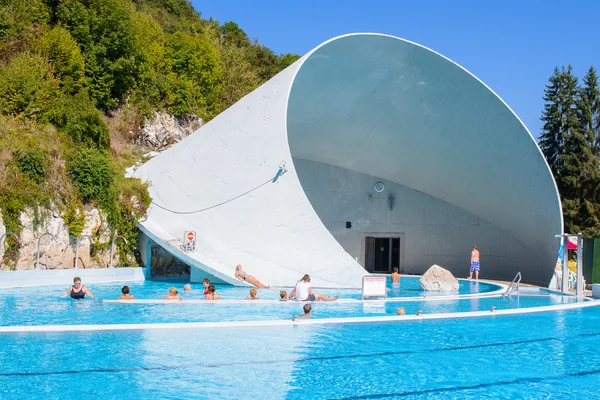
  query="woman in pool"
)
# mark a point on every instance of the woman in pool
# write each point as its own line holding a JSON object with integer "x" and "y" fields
{"x": 206, "y": 283}
{"x": 173, "y": 295}
{"x": 242, "y": 276}
{"x": 303, "y": 291}
{"x": 77, "y": 291}
{"x": 252, "y": 295}
{"x": 211, "y": 295}
{"x": 126, "y": 295}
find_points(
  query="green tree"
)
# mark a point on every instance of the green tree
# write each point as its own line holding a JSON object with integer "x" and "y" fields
{"x": 91, "y": 171}
{"x": 83, "y": 122}
{"x": 60, "y": 49}
{"x": 28, "y": 89}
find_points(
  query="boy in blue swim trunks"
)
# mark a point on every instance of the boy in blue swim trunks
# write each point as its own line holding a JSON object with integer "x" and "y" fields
{"x": 474, "y": 263}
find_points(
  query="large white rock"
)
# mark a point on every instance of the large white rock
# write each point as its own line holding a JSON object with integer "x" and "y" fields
{"x": 438, "y": 279}
{"x": 164, "y": 130}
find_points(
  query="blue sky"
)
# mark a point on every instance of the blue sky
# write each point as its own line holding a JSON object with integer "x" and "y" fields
{"x": 512, "y": 46}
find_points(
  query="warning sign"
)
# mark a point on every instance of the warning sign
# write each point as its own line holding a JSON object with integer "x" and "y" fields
{"x": 189, "y": 241}
{"x": 374, "y": 286}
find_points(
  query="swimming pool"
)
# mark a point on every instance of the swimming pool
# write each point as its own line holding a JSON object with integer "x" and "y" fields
{"x": 540, "y": 355}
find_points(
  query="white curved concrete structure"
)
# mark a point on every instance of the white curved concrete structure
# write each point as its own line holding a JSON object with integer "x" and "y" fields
{"x": 458, "y": 166}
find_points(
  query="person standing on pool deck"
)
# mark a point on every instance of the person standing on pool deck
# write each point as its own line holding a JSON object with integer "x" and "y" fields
{"x": 242, "y": 276}
{"x": 474, "y": 263}
{"x": 77, "y": 291}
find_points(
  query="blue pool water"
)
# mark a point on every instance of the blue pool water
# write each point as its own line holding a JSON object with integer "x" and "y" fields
{"x": 529, "y": 356}
{"x": 43, "y": 305}
{"x": 535, "y": 356}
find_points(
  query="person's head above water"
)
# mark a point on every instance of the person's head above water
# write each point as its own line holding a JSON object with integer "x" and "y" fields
{"x": 253, "y": 292}
{"x": 206, "y": 282}
{"x": 396, "y": 269}
{"x": 173, "y": 291}
{"x": 211, "y": 288}
{"x": 125, "y": 290}
{"x": 187, "y": 287}
{"x": 77, "y": 280}
{"x": 401, "y": 311}
{"x": 307, "y": 308}
{"x": 283, "y": 294}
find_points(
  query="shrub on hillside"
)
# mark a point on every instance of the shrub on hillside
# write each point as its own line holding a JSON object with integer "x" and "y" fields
{"x": 92, "y": 173}
{"x": 32, "y": 163}
{"x": 83, "y": 122}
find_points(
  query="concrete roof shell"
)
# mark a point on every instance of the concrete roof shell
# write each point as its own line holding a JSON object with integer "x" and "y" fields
{"x": 370, "y": 103}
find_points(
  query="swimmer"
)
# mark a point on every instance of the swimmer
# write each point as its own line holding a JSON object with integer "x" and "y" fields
{"x": 242, "y": 276}
{"x": 126, "y": 295}
{"x": 307, "y": 311}
{"x": 187, "y": 288}
{"x": 206, "y": 283}
{"x": 173, "y": 295}
{"x": 77, "y": 291}
{"x": 395, "y": 277}
{"x": 284, "y": 296}
{"x": 401, "y": 311}
{"x": 211, "y": 295}
{"x": 252, "y": 295}
{"x": 303, "y": 291}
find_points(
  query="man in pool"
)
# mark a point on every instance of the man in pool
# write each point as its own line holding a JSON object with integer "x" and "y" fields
{"x": 400, "y": 311}
{"x": 77, "y": 291}
{"x": 395, "y": 277}
{"x": 307, "y": 311}
{"x": 252, "y": 295}
{"x": 474, "y": 263}
{"x": 126, "y": 295}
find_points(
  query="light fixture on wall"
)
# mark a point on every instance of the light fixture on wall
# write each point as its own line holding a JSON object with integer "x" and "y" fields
{"x": 391, "y": 202}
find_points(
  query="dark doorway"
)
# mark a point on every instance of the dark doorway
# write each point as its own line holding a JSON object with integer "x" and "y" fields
{"x": 382, "y": 254}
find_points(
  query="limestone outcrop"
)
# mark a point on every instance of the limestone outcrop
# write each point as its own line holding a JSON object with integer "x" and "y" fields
{"x": 164, "y": 130}
{"x": 438, "y": 279}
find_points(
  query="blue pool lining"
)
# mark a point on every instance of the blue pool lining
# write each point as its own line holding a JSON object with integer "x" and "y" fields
{"x": 322, "y": 321}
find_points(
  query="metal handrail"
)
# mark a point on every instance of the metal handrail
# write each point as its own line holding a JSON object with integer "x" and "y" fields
{"x": 112, "y": 245}
{"x": 514, "y": 286}
{"x": 77, "y": 248}
{"x": 37, "y": 255}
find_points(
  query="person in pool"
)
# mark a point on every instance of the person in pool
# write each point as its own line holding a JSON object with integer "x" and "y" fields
{"x": 242, "y": 276}
{"x": 253, "y": 292}
{"x": 173, "y": 295}
{"x": 284, "y": 296}
{"x": 206, "y": 283}
{"x": 303, "y": 291}
{"x": 395, "y": 277}
{"x": 211, "y": 295}
{"x": 77, "y": 291}
{"x": 126, "y": 295}
{"x": 307, "y": 311}
{"x": 187, "y": 288}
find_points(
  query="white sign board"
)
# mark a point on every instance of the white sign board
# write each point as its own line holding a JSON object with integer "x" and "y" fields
{"x": 189, "y": 241}
{"x": 374, "y": 286}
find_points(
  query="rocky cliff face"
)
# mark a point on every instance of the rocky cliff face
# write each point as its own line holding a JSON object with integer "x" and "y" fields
{"x": 58, "y": 251}
{"x": 164, "y": 130}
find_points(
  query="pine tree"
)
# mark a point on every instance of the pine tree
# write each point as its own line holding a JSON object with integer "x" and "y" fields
{"x": 551, "y": 139}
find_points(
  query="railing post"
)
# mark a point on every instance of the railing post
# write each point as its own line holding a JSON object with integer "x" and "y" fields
{"x": 565, "y": 265}
{"x": 579, "y": 288}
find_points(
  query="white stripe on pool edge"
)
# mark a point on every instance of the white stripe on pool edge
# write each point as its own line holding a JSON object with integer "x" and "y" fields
{"x": 231, "y": 324}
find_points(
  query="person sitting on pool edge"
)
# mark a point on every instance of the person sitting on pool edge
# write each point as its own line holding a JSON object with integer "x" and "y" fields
{"x": 206, "y": 283}
{"x": 77, "y": 291}
{"x": 126, "y": 295}
{"x": 253, "y": 292}
{"x": 211, "y": 295}
{"x": 173, "y": 295}
{"x": 283, "y": 295}
{"x": 242, "y": 276}
{"x": 303, "y": 291}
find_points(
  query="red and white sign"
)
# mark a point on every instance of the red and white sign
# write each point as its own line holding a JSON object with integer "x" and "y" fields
{"x": 374, "y": 286}
{"x": 191, "y": 236}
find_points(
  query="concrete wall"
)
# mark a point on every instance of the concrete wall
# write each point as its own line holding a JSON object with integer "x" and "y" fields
{"x": 433, "y": 231}
{"x": 65, "y": 276}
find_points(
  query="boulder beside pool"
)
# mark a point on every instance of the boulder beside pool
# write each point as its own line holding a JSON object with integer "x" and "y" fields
{"x": 438, "y": 279}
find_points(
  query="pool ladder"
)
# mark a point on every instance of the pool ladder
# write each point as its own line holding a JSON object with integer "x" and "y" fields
{"x": 514, "y": 286}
